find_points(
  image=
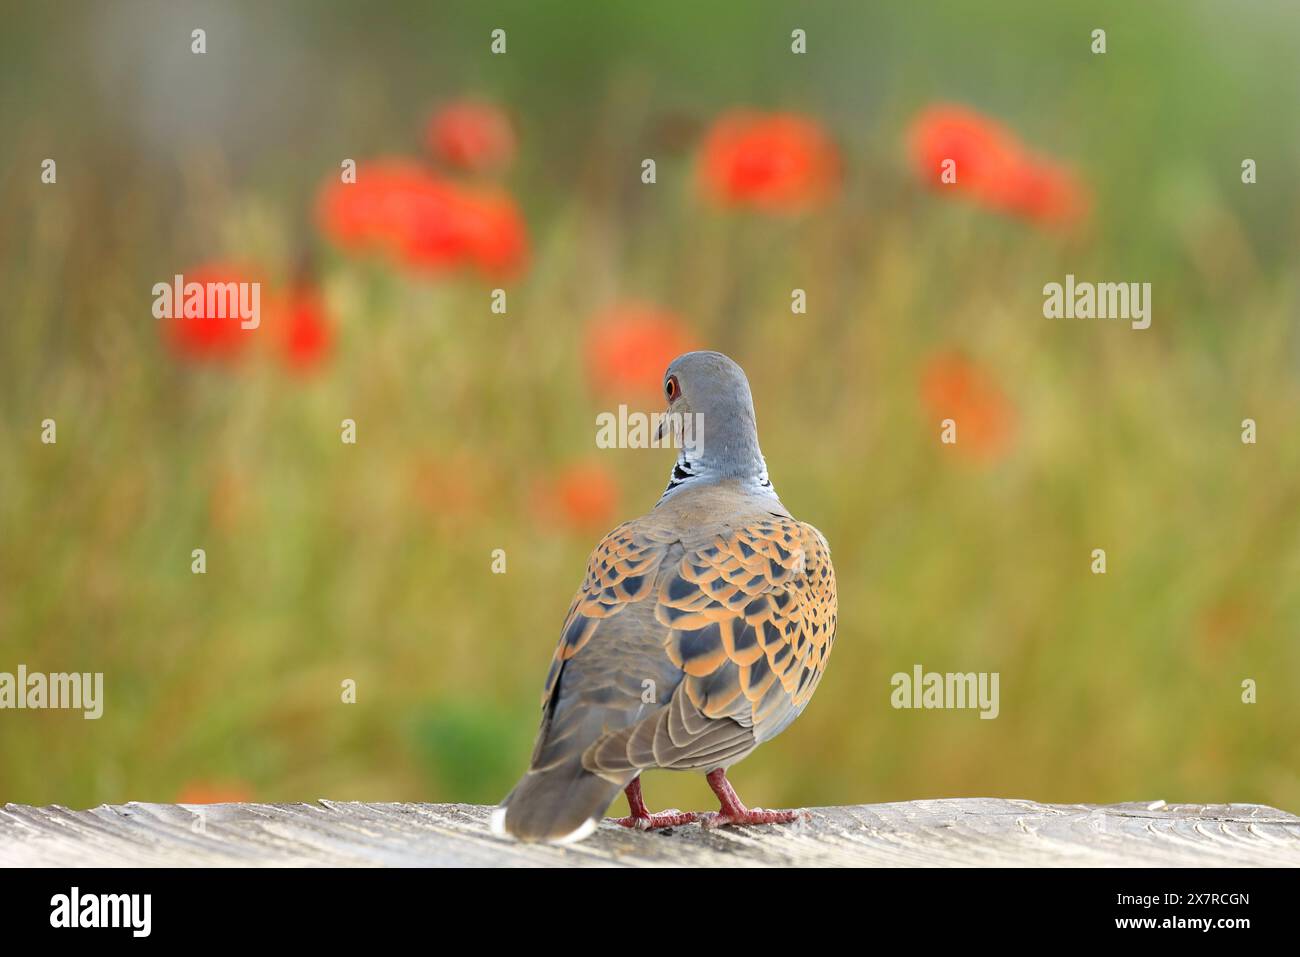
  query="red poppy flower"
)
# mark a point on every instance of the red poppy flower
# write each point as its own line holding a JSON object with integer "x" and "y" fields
{"x": 305, "y": 336}
{"x": 629, "y": 346}
{"x": 468, "y": 226}
{"x": 472, "y": 135}
{"x": 778, "y": 162}
{"x": 422, "y": 221}
{"x": 376, "y": 209}
{"x": 214, "y": 792}
{"x": 210, "y": 336}
{"x": 583, "y": 497}
{"x": 992, "y": 167}
{"x": 1048, "y": 193}
{"x": 954, "y": 387}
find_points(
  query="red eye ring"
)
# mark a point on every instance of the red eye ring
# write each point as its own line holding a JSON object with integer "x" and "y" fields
{"x": 671, "y": 389}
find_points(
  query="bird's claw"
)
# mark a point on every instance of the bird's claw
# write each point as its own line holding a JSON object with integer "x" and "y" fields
{"x": 660, "y": 819}
{"x": 750, "y": 816}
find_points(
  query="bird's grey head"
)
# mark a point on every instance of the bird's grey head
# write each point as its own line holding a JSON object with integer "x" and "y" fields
{"x": 712, "y": 412}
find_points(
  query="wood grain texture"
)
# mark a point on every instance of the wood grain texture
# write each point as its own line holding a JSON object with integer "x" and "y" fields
{"x": 955, "y": 832}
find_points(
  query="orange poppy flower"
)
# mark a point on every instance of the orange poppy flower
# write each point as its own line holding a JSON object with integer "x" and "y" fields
{"x": 992, "y": 167}
{"x": 228, "y": 499}
{"x": 1050, "y": 194}
{"x": 629, "y": 346}
{"x": 583, "y": 497}
{"x": 214, "y": 792}
{"x": 954, "y": 387}
{"x": 777, "y": 162}
{"x": 211, "y": 338}
{"x": 452, "y": 490}
{"x": 422, "y": 221}
{"x": 471, "y": 135}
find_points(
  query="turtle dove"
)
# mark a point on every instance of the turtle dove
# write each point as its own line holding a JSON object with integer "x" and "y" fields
{"x": 700, "y": 631}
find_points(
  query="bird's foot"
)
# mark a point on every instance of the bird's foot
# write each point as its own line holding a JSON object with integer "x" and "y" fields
{"x": 642, "y": 820}
{"x": 755, "y": 815}
{"x": 660, "y": 819}
{"x": 733, "y": 810}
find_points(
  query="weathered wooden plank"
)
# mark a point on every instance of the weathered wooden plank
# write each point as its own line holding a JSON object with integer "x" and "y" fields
{"x": 957, "y": 832}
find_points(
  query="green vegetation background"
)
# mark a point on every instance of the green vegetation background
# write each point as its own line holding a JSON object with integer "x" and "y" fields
{"x": 320, "y": 567}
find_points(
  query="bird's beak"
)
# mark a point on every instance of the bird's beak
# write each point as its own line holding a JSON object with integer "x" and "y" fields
{"x": 663, "y": 426}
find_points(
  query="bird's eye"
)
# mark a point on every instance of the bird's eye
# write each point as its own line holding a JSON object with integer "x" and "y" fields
{"x": 671, "y": 388}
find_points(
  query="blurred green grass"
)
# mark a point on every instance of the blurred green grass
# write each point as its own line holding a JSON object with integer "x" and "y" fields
{"x": 323, "y": 564}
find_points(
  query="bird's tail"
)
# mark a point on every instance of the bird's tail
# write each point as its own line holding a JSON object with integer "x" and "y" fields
{"x": 559, "y": 804}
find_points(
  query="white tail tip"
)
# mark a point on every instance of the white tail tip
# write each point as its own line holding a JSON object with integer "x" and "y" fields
{"x": 576, "y": 835}
{"x": 497, "y": 824}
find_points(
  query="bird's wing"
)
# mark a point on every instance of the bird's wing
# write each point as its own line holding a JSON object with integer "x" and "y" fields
{"x": 621, "y": 571}
{"x": 609, "y": 667}
{"x": 746, "y": 619}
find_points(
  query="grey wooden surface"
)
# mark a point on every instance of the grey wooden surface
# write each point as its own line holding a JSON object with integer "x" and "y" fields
{"x": 956, "y": 832}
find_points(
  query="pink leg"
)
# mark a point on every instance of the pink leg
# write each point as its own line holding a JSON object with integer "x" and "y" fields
{"x": 643, "y": 820}
{"x": 733, "y": 810}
